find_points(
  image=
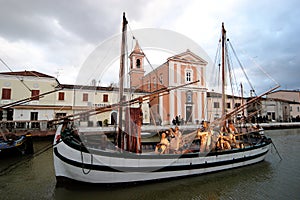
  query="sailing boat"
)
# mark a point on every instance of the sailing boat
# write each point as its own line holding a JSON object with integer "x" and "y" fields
{"x": 126, "y": 162}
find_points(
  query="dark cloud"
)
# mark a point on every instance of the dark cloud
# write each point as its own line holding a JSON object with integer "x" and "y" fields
{"x": 91, "y": 21}
{"x": 269, "y": 32}
{"x": 61, "y": 29}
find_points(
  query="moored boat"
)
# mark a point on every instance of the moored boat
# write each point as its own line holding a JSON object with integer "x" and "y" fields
{"x": 14, "y": 144}
{"x": 76, "y": 161}
{"x": 213, "y": 147}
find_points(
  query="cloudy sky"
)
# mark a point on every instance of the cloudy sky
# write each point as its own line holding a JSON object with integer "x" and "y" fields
{"x": 56, "y": 36}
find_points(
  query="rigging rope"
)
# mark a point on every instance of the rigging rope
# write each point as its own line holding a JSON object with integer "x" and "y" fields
{"x": 216, "y": 60}
{"x": 16, "y": 76}
{"x": 257, "y": 65}
{"x": 154, "y": 70}
{"x": 241, "y": 66}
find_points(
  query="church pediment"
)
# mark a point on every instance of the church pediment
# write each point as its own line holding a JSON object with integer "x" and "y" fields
{"x": 188, "y": 56}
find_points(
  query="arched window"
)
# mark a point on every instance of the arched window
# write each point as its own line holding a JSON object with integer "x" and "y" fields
{"x": 138, "y": 63}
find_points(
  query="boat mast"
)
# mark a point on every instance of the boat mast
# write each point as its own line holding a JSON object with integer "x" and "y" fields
{"x": 120, "y": 136}
{"x": 223, "y": 70}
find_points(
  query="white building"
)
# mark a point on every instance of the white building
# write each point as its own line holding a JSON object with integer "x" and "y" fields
{"x": 59, "y": 100}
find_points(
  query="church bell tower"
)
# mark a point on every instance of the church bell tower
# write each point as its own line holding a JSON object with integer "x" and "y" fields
{"x": 136, "y": 71}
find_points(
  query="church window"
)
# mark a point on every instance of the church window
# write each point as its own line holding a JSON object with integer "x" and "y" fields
{"x": 138, "y": 63}
{"x": 161, "y": 79}
{"x": 188, "y": 76}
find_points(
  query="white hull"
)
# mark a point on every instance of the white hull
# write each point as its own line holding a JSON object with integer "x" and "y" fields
{"x": 111, "y": 167}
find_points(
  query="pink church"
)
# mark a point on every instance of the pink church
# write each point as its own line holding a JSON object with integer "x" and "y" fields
{"x": 189, "y": 102}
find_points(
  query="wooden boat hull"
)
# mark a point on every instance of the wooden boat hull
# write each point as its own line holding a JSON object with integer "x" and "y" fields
{"x": 97, "y": 166}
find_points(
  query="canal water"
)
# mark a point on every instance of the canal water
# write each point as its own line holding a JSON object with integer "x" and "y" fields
{"x": 32, "y": 177}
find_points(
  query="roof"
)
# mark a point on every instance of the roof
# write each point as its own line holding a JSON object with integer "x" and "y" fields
{"x": 98, "y": 88}
{"x": 137, "y": 49}
{"x": 27, "y": 73}
{"x": 292, "y": 91}
{"x": 188, "y": 56}
{"x": 280, "y": 100}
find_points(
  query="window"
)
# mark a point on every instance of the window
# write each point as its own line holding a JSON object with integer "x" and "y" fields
{"x": 105, "y": 98}
{"x": 298, "y": 109}
{"x": 138, "y": 63}
{"x": 188, "y": 76}
{"x": 35, "y": 94}
{"x": 291, "y": 108}
{"x": 154, "y": 83}
{"x": 228, "y": 105}
{"x": 34, "y": 117}
{"x": 236, "y": 105}
{"x": 85, "y": 97}
{"x": 6, "y": 92}
{"x": 216, "y": 105}
{"x": 216, "y": 116}
{"x": 161, "y": 79}
{"x": 61, "y": 96}
{"x": 149, "y": 86}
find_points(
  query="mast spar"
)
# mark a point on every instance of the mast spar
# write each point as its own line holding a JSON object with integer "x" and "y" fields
{"x": 120, "y": 136}
{"x": 223, "y": 70}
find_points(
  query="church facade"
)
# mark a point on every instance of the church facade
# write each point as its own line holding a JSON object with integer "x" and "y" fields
{"x": 188, "y": 103}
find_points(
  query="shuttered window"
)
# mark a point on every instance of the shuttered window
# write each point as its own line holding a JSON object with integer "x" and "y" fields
{"x": 85, "y": 97}
{"x": 105, "y": 97}
{"x": 6, "y": 93}
{"x": 61, "y": 96}
{"x": 34, "y": 94}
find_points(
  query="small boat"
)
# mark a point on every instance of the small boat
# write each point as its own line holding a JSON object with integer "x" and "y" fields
{"x": 14, "y": 144}
{"x": 208, "y": 149}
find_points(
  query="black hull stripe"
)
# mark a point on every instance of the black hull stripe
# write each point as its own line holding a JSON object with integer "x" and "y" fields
{"x": 154, "y": 169}
{"x": 167, "y": 156}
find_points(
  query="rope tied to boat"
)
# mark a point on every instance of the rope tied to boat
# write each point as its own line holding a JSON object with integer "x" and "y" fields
{"x": 81, "y": 152}
{"x": 276, "y": 149}
{"x": 83, "y": 164}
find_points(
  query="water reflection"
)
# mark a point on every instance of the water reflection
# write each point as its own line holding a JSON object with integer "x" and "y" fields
{"x": 34, "y": 178}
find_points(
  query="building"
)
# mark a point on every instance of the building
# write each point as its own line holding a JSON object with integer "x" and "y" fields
{"x": 289, "y": 95}
{"x": 214, "y": 103}
{"x": 188, "y": 102}
{"x": 47, "y": 99}
{"x": 74, "y": 99}
{"x": 292, "y": 103}
{"x": 17, "y": 86}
